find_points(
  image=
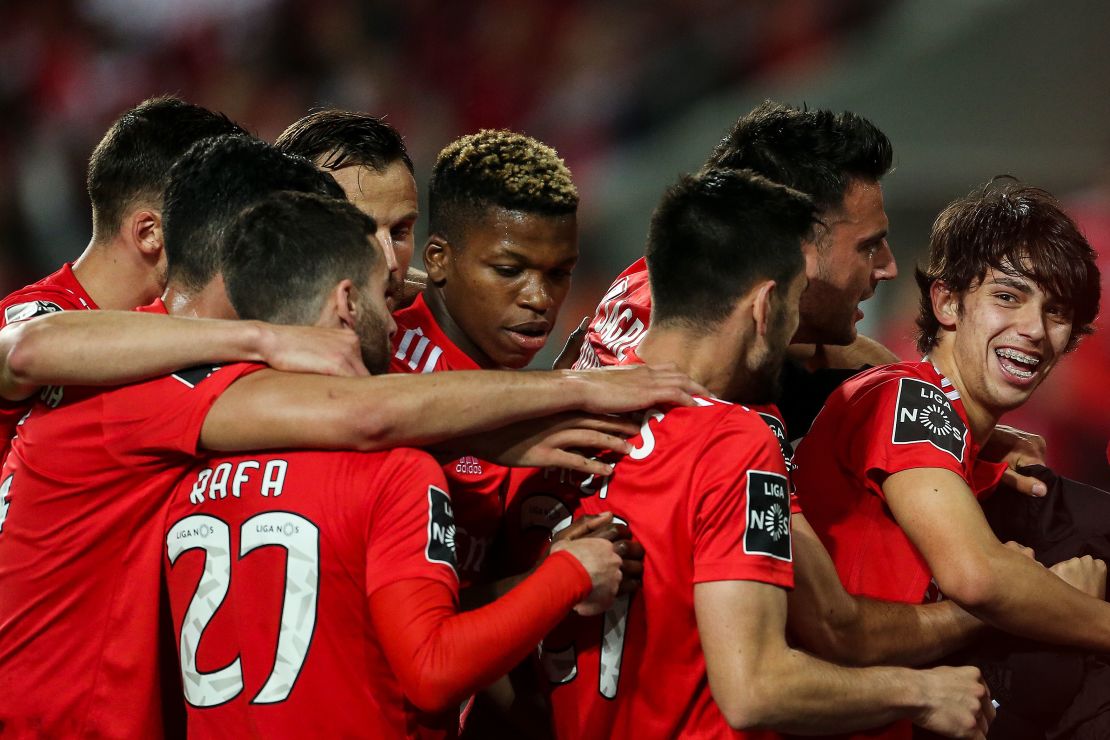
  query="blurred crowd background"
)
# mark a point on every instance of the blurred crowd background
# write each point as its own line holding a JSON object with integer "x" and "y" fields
{"x": 630, "y": 93}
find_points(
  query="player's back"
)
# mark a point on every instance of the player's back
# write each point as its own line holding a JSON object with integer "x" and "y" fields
{"x": 82, "y": 490}
{"x": 697, "y": 478}
{"x": 269, "y": 563}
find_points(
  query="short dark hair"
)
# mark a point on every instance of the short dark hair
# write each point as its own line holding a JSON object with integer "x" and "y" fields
{"x": 133, "y": 160}
{"x": 211, "y": 184}
{"x": 815, "y": 151}
{"x": 1017, "y": 230}
{"x": 335, "y": 138}
{"x": 284, "y": 254}
{"x": 497, "y": 169}
{"x": 713, "y": 235}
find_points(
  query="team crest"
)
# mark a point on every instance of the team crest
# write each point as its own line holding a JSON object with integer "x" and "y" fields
{"x": 441, "y": 529}
{"x": 24, "y": 311}
{"x": 768, "y": 515}
{"x": 924, "y": 414}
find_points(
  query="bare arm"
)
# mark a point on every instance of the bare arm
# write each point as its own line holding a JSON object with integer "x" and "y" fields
{"x": 996, "y": 583}
{"x": 758, "y": 681}
{"x": 117, "y": 347}
{"x": 273, "y": 410}
{"x": 853, "y": 630}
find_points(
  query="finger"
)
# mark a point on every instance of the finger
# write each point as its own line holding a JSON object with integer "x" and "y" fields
{"x": 629, "y": 586}
{"x": 589, "y": 439}
{"x": 1025, "y": 484}
{"x": 634, "y": 551}
{"x": 557, "y": 458}
{"x": 632, "y": 568}
{"x": 609, "y": 424}
{"x": 582, "y": 527}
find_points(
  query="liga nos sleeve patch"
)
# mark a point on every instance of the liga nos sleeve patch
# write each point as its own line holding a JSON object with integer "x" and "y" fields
{"x": 924, "y": 414}
{"x": 24, "y": 311}
{"x": 767, "y": 529}
{"x": 441, "y": 529}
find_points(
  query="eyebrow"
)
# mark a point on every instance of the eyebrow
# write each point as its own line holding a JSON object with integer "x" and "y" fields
{"x": 1019, "y": 285}
{"x": 505, "y": 252}
{"x": 878, "y": 236}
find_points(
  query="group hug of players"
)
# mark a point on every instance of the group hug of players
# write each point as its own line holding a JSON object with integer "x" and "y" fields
{"x": 636, "y": 552}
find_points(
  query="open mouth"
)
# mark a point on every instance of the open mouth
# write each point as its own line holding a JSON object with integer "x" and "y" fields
{"x": 1018, "y": 364}
{"x": 530, "y": 337}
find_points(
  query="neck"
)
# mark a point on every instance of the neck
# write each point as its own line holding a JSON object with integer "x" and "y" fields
{"x": 981, "y": 419}
{"x": 210, "y": 302}
{"x": 709, "y": 359}
{"x": 112, "y": 279}
{"x": 433, "y": 296}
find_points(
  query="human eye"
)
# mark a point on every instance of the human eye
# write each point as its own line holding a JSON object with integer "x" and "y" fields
{"x": 507, "y": 271}
{"x": 1005, "y": 296}
{"x": 400, "y": 233}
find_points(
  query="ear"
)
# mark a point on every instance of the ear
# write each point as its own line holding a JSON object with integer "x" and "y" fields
{"x": 144, "y": 229}
{"x": 946, "y": 304}
{"x": 341, "y": 306}
{"x": 437, "y": 258}
{"x": 763, "y": 295}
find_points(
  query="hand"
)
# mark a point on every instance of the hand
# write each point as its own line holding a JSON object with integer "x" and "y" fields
{"x": 603, "y": 526}
{"x": 312, "y": 349}
{"x": 601, "y": 561}
{"x": 555, "y": 442}
{"x": 616, "y": 390}
{"x": 1085, "y": 573}
{"x": 573, "y": 346}
{"x": 957, "y": 702}
{"x": 1017, "y": 449}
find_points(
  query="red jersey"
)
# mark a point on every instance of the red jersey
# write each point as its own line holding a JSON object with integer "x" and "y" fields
{"x": 621, "y": 320}
{"x": 270, "y": 560}
{"x": 83, "y": 491}
{"x": 477, "y": 486}
{"x": 58, "y": 291}
{"x": 705, "y": 491}
{"x": 882, "y": 421}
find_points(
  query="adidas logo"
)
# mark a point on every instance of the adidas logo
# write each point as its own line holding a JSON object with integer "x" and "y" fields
{"x": 469, "y": 465}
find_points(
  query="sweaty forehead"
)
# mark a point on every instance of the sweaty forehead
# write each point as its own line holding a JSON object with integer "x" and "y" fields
{"x": 389, "y": 195}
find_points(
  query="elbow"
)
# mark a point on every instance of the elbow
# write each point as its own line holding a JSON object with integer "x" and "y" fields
{"x": 22, "y": 359}
{"x": 750, "y": 708}
{"x": 367, "y": 428}
{"x": 972, "y": 584}
{"x": 429, "y": 696}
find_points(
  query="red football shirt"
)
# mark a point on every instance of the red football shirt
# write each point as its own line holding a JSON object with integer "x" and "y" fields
{"x": 270, "y": 560}
{"x": 58, "y": 291}
{"x": 477, "y": 486}
{"x": 882, "y": 421}
{"x": 83, "y": 494}
{"x": 621, "y": 319}
{"x": 705, "y": 491}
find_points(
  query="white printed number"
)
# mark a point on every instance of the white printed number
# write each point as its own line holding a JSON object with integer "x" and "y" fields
{"x": 300, "y": 538}
{"x": 4, "y": 488}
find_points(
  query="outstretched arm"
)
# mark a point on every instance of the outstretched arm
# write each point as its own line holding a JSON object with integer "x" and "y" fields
{"x": 758, "y": 681}
{"x": 272, "y": 410}
{"x": 996, "y": 583}
{"x": 852, "y": 630}
{"x": 117, "y": 347}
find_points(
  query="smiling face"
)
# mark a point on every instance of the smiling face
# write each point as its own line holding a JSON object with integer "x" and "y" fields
{"x": 502, "y": 283}
{"x": 1001, "y": 339}
{"x": 389, "y": 197}
{"x": 848, "y": 261}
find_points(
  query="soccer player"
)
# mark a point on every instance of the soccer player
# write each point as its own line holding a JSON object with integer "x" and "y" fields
{"x": 124, "y": 264}
{"x": 360, "y": 608}
{"x": 90, "y": 469}
{"x": 503, "y": 241}
{"x": 891, "y": 470}
{"x": 701, "y": 649}
{"x": 369, "y": 160}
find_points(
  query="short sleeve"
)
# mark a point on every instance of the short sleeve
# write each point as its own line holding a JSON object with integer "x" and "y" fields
{"x": 901, "y": 424}
{"x": 741, "y": 505}
{"x": 411, "y": 531}
{"x": 164, "y": 416}
{"x": 29, "y": 305}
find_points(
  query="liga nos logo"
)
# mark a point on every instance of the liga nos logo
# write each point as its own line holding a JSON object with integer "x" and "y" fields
{"x": 924, "y": 414}
{"x": 441, "y": 529}
{"x": 24, "y": 311}
{"x": 767, "y": 530}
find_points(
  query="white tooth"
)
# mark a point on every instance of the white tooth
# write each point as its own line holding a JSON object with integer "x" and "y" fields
{"x": 1013, "y": 354}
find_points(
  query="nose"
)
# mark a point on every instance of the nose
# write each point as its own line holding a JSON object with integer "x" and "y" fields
{"x": 392, "y": 326}
{"x": 883, "y": 265}
{"x": 1031, "y": 320}
{"x": 536, "y": 294}
{"x": 390, "y": 252}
